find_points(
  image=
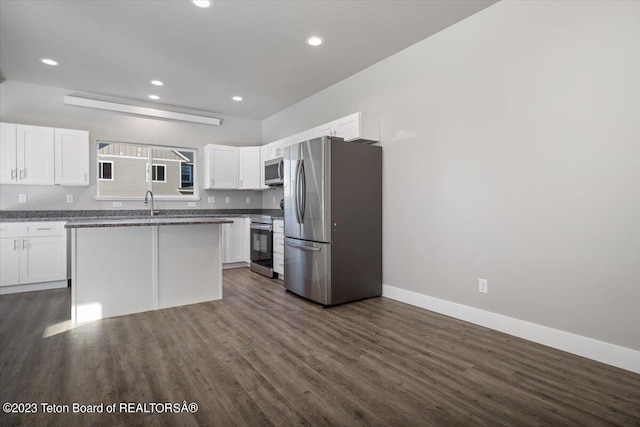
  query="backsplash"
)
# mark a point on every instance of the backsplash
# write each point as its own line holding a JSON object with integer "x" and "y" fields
{"x": 55, "y": 198}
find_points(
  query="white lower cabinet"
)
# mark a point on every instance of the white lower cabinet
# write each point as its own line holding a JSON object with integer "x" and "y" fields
{"x": 33, "y": 256}
{"x": 278, "y": 247}
{"x": 235, "y": 241}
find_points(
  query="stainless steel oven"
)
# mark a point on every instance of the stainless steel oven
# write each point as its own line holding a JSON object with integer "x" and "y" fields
{"x": 262, "y": 245}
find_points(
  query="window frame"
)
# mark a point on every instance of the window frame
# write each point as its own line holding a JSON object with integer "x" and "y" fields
{"x": 195, "y": 196}
{"x": 155, "y": 165}
{"x": 101, "y": 171}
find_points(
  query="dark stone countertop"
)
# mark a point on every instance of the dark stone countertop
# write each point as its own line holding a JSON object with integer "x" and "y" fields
{"x": 142, "y": 222}
{"x": 110, "y": 215}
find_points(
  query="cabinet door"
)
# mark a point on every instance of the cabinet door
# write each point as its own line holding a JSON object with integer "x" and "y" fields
{"x": 323, "y": 130}
{"x": 300, "y": 137}
{"x": 8, "y": 153}
{"x": 249, "y": 168}
{"x": 225, "y": 167}
{"x": 275, "y": 149}
{"x": 9, "y": 261}
{"x": 347, "y": 127}
{"x": 35, "y": 155}
{"x": 234, "y": 238}
{"x": 71, "y": 157}
{"x": 43, "y": 259}
{"x": 264, "y": 156}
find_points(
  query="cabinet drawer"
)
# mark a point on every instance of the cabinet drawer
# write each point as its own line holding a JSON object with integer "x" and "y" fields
{"x": 278, "y": 263}
{"x": 12, "y": 229}
{"x": 278, "y": 226}
{"x": 45, "y": 229}
{"x": 31, "y": 229}
{"x": 278, "y": 243}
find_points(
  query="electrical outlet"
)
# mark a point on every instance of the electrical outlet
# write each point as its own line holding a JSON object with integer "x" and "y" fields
{"x": 273, "y": 200}
{"x": 211, "y": 199}
{"x": 191, "y": 204}
{"x": 117, "y": 204}
{"x": 248, "y": 200}
{"x": 227, "y": 200}
{"x": 69, "y": 198}
{"x": 483, "y": 286}
{"x": 22, "y": 198}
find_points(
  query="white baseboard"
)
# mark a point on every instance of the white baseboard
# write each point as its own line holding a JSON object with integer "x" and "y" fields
{"x": 235, "y": 265}
{"x": 33, "y": 287}
{"x": 590, "y": 348}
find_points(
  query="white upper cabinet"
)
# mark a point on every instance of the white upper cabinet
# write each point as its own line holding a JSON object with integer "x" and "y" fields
{"x": 41, "y": 155}
{"x": 8, "y": 153}
{"x": 35, "y": 159}
{"x": 250, "y": 168}
{"x": 221, "y": 167}
{"x": 302, "y": 136}
{"x": 275, "y": 149}
{"x": 71, "y": 157}
{"x": 347, "y": 127}
{"x": 264, "y": 156}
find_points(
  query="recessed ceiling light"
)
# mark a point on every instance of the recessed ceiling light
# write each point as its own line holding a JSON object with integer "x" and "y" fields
{"x": 202, "y": 3}
{"x": 48, "y": 61}
{"x": 154, "y": 97}
{"x": 157, "y": 83}
{"x": 236, "y": 98}
{"x": 314, "y": 41}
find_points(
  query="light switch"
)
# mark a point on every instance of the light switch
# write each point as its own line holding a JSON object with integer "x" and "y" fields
{"x": 22, "y": 198}
{"x": 69, "y": 198}
{"x": 191, "y": 204}
{"x": 117, "y": 204}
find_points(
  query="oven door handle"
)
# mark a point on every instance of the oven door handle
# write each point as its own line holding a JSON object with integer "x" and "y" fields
{"x": 261, "y": 227}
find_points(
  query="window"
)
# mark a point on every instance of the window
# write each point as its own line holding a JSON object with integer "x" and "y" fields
{"x": 186, "y": 176}
{"x": 105, "y": 170}
{"x": 158, "y": 173}
{"x": 167, "y": 171}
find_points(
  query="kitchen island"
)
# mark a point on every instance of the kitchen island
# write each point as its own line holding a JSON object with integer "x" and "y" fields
{"x": 125, "y": 266}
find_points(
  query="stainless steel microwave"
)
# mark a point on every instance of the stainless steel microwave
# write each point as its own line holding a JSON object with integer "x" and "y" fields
{"x": 274, "y": 171}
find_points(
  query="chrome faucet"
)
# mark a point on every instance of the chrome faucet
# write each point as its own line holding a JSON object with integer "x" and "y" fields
{"x": 146, "y": 202}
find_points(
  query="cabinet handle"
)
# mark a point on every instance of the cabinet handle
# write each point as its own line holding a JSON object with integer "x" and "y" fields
{"x": 85, "y": 177}
{"x": 15, "y": 244}
{"x": 24, "y": 243}
{"x": 43, "y": 228}
{"x": 240, "y": 183}
{"x": 13, "y": 174}
{"x": 21, "y": 174}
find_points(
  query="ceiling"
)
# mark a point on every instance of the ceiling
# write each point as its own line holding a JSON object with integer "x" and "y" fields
{"x": 255, "y": 49}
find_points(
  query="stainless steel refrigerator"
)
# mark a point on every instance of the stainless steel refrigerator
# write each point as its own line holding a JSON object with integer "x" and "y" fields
{"x": 333, "y": 220}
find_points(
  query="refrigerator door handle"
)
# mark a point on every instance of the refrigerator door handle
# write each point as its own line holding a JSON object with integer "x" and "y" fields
{"x": 296, "y": 191}
{"x": 303, "y": 247}
{"x": 303, "y": 191}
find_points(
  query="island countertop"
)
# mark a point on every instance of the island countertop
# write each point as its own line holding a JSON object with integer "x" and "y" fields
{"x": 138, "y": 222}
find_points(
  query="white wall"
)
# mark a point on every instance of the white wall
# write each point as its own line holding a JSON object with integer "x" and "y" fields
{"x": 43, "y": 106}
{"x": 511, "y": 152}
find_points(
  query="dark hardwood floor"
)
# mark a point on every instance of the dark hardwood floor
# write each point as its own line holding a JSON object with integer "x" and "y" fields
{"x": 262, "y": 356}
